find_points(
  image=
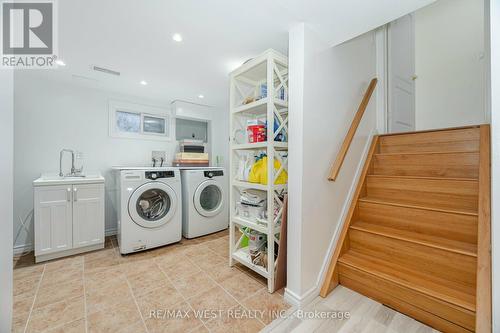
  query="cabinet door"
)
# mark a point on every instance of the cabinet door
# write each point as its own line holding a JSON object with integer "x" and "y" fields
{"x": 88, "y": 214}
{"x": 53, "y": 219}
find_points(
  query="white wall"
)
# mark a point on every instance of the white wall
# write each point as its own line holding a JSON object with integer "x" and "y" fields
{"x": 339, "y": 21}
{"x": 494, "y": 102}
{"x": 50, "y": 116}
{"x": 449, "y": 46}
{"x": 6, "y": 196}
{"x": 327, "y": 85}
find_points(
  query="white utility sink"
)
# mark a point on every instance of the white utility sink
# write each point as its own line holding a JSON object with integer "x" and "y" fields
{"x": 55, "y": 179}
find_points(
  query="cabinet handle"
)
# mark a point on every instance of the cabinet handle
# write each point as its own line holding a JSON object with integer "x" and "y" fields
{"x": 75, "y": 197}
{"x": 68, "y": 194}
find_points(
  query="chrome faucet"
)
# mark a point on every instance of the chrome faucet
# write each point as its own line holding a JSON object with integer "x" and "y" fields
{"x": 74, "y": 172}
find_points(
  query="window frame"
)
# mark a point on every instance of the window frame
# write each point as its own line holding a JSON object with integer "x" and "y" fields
{"x": 142, "y": 111}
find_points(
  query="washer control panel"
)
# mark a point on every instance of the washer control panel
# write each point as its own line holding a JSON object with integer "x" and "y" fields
{"x": 153, "y": 175}
{"x": 214, "y": 173}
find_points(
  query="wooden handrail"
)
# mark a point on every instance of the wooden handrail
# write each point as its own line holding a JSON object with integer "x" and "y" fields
{"x": 352, "y": 130}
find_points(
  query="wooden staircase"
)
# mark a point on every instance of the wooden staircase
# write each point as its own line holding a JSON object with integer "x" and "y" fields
{"x": 411, "y": 237}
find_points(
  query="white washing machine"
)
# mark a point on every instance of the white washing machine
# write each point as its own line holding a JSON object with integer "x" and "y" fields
{"x": 205, "y": 208}
{"x": 149, "y": 208}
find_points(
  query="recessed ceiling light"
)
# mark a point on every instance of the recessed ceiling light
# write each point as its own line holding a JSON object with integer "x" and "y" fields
{"x": 177, "y": 37}
{"x": 143, "y": 82}
{"x": 201, "y": 96}
{"x": 59, "y": 62}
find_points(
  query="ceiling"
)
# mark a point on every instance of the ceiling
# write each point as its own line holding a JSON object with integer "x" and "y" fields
{"x": 135, "y": 38}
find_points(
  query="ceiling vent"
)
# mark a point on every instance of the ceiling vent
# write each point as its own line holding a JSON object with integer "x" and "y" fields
{"x": 105, "y": 70}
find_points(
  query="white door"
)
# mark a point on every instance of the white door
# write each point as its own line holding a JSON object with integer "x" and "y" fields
{"x": 88, "y": 214}
{"x": 53, "y": 219}
{"x": 401, "y": 72}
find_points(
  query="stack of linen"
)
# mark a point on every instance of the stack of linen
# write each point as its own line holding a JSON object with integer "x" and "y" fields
{"x": 191, "y": 160}
{"x": 192, "y": 154}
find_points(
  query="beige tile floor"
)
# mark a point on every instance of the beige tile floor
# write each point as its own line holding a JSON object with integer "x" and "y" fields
{"x": 365, "y": 316}
{"x": 103, "y": 291}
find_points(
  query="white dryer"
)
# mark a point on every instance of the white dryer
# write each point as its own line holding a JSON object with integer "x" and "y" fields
{"x": 149, "y": 208}
{"x": 205, "y": 208}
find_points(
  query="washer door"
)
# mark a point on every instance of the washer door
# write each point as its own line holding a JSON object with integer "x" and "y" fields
{"x": 152, "y": 204}
{"x": 208, "y": 198}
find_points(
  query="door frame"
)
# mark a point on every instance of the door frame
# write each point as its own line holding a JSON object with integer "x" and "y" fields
{"x": 382, "y": 59}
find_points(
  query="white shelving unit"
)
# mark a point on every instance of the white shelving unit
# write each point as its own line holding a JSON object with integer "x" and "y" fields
{"x": 270, "y": 69}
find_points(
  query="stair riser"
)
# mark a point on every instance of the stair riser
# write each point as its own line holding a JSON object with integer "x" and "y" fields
{"x": 432, "y": 193}
{"x": 452, "y": 165}
{"x": 453, "y": 140}
{"x": 433, "y": 312}
{"x": 440, "y": 263}
{"x": 452, "y": 226}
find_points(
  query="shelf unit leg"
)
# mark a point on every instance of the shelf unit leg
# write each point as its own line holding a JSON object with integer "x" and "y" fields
{"x": 270, "y": 173}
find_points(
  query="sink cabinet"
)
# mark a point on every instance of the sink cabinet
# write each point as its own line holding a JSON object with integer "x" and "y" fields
{"x": 69, "y": 219}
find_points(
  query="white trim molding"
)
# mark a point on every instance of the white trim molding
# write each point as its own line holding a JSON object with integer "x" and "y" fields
{"x": 381, "y": 92}
{"x": 110, "y": 232}
{"x": 299, "y": 301}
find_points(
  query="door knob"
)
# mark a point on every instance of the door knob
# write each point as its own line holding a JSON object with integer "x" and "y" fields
{"x": 414, "y": 77}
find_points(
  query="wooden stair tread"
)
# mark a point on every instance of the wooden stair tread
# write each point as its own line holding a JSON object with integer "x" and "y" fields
{"x": 450, "y": 140}
{"x": 451, "y": 292}
{"x": 424, "y": 177}
{"x": 427, "y": 153}
{"x": 419, "y": 238}
{"x": 438, "y": 131}
{"x": 409, "y": 204}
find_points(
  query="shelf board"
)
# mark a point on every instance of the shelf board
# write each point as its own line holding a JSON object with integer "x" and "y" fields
{"x": 242, "y": 256}
{"x": 278, "y": 145}
{"x": 256, "y": 186}
{"x": 250, "y": 224}
{"x": 253, "y": 225}
{"x": 258, "y": 107}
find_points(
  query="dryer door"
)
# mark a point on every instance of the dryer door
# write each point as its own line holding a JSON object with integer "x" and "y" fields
{"x": 152, "y": 205}
{"x": 208, "y": 198}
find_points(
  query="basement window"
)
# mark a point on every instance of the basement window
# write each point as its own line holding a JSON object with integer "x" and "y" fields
{"x": 135, "y": 121}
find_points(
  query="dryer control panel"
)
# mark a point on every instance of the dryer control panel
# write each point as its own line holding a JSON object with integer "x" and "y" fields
{"x": 214, "y": 173}
{"x": 153, "y": 175}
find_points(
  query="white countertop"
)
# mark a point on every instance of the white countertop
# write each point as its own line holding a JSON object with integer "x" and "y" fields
{"x": 164, "y": 168}
{"x": 55, "y": 179}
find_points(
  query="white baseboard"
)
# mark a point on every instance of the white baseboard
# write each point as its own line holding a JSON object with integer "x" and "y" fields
{"x": 299, "y": 301}
{"x": 23, "y": 248}
{"x": 26, "y": 248}
{"x": 110, "y": 232}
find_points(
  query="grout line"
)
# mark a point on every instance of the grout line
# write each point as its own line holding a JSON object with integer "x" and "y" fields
{"x": 227, "y": 292}
{"x": 34, "y": 299}
{"x": 183, "y": 297}
{"x": 120, "y": 263}
{"x": 135, "y": 302}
